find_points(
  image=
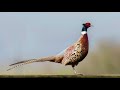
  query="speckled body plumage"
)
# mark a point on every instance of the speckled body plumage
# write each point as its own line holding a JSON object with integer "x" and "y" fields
{"x": 70, "y": 56}
{"x": 77, "y": 52}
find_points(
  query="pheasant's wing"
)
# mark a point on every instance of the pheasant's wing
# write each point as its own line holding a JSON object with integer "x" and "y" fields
{"x": 68, "y": 54}
{"x": 72, "y": 54}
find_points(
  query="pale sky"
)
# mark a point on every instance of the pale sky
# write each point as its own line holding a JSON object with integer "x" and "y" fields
{"x": 26, "y": 35}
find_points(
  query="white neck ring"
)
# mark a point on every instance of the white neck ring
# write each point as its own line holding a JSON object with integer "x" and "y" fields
{"x": 83, "y": 32}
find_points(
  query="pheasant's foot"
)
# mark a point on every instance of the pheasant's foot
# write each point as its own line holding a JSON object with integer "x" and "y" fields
{"x": 76, "y": 72}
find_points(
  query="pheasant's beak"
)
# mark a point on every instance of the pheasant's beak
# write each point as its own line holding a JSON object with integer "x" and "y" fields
{"x": 92, "y": 26}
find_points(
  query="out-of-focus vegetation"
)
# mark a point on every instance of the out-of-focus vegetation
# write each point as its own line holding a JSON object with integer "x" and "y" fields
{"x": 104, "y": 59}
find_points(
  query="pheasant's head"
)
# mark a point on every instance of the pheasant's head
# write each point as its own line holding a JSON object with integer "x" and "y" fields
{"x": 87, "y": 25}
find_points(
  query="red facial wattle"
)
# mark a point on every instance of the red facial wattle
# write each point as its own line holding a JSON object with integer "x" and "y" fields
{"x": 88, "y": 25}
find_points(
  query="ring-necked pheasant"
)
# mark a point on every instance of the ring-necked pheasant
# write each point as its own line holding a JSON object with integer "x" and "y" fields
{"x": 70, "y": 56}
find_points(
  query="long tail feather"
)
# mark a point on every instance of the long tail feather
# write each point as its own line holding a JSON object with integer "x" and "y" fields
{"x": 51, "y": 58}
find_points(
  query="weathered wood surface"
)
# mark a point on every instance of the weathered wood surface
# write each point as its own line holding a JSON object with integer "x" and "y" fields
{"x": 59, "y": 76}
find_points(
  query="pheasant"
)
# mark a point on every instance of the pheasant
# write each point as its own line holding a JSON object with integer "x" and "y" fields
{"x": 72, "y": 55}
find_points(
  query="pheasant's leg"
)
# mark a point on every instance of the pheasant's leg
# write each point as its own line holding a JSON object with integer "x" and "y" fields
{"x": 76, "y": 72}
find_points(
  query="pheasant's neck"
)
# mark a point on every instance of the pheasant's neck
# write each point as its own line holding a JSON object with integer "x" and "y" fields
{"x": 84, "y": 36}
{"x": 84, "y": 32}
{"x": 83, "y": 40}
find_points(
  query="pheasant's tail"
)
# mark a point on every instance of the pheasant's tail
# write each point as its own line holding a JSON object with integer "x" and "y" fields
{"x": 51, "y": 58}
